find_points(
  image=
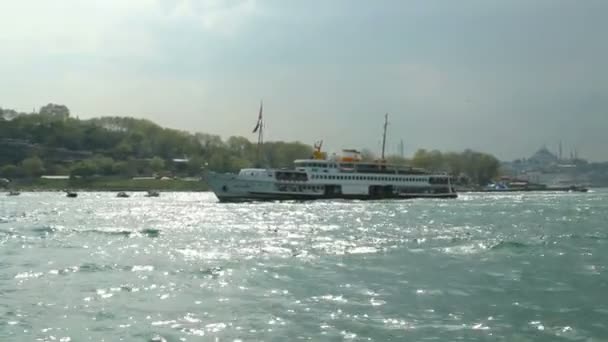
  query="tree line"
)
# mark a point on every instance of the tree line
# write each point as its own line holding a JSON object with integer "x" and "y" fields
{"x": 52, "y": 142}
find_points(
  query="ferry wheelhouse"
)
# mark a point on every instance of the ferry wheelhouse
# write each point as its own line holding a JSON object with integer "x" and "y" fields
{"x": 344, "y": 177}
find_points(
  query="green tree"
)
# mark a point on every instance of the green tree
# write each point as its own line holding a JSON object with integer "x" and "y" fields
{"x": 367, "y": 155}
{"x": 55, "y": 111}
{"x": 10, "y": 171}
{"x": 104, "y": 165}
{"x": 157, "y": 164}
{"x": 59, "y": 170}
{"x": 85, "y": 168}
{"x": 32, "y": 167}
{"x": 397, "y": 160}
{"x": 125, "y": 168}
{"x": 195, "y": 165}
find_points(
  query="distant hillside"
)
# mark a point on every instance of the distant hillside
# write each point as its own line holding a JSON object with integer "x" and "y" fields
{"x": 52, "y": 142}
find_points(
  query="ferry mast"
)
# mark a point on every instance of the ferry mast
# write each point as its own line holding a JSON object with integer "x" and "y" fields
{"x": 384, "y": 136}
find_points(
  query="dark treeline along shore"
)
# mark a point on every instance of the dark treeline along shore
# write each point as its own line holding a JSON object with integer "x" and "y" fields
{"x": 107, "y": 153}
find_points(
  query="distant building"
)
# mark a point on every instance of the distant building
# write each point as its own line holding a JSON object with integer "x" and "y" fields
{"x": 543, "y": 157}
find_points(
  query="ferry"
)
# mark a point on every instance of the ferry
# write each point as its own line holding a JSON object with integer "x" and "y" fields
{"x": 345, "y": 177}
{"x": 337, "y": 177}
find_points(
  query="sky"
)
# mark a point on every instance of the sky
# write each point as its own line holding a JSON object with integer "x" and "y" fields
{"x": 503, "y": 77}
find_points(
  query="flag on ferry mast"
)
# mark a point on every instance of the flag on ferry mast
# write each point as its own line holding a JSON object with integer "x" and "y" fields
{"x": 259, "y": 123}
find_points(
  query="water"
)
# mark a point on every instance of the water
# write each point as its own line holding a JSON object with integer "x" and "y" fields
{"x": 522, "y": 267}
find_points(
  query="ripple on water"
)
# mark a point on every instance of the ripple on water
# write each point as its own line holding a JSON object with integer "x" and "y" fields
{"x": 182, "y": 266}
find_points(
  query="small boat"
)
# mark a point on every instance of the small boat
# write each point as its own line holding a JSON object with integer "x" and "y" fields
{"x": 71, "y": 194}
{"x": 152, "y": 194}
{"x": 13, "y": 193}
{"x": 122, "y": 194}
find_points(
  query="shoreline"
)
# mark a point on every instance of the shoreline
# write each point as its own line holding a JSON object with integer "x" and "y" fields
{"x": 105, "y": 185}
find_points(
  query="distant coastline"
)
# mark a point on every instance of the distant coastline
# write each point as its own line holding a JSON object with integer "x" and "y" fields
{"x": 107, "y": 184}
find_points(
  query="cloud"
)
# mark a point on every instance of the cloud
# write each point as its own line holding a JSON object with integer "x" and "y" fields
{"x": 110, "y": 28}
{"x": 213, "y": 16}
{"x": 43, "y": 28}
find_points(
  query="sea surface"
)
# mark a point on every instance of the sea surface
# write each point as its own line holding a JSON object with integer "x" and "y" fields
{"x": 182, "y": 267}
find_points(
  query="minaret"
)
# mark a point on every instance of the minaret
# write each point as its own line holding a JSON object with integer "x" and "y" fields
{"x": 384, "y": 135}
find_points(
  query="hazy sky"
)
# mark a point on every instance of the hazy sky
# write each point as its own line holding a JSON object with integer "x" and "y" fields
{"x": 503, "y": 77}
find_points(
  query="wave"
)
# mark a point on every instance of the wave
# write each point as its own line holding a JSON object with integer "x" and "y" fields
{"x": 92, "y": 267}
{"x": 48, "y": 230}
{"x": 508, "y": 245}
{"x": 595, "y": 237}
{"x": 44, "y": 230}
{"x": 149, "y": 232}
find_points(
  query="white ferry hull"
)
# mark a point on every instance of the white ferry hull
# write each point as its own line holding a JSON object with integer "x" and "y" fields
{"x": 232, "y": 188}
